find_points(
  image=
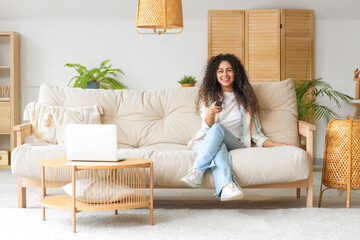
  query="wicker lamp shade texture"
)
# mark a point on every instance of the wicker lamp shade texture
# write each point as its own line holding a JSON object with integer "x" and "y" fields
{"x": 159, "y": 16}
{"x": 341, "y": 166}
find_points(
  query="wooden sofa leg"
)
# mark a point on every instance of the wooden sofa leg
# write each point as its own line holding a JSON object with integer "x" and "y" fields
{"x": 298, "y": 190}
{"x": 309, "y": 199}
{"x": 310, "y": 189}
{"x": 21, "y": 194}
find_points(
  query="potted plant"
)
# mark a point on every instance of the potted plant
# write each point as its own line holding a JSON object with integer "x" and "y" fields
{"x": 100, "y": 77}
{"x": 307, "y": 92}
{"x": 187, "y": 81}
{"x": 309, "y": 109}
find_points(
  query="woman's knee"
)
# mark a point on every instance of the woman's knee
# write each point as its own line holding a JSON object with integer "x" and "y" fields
{"x": 216, "y": 130}
{"x": 217, "y": 127}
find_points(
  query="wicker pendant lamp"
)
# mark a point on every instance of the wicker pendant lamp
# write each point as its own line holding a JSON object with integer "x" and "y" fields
{"x": 159, "y": 17}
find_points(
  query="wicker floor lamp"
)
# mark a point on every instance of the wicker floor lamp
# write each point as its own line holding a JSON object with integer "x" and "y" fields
{"x": 341, "y": 167}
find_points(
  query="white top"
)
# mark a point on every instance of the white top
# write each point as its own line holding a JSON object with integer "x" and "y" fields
{"x": 230, "y": 116}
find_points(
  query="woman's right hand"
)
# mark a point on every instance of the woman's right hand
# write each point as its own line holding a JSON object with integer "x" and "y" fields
{"x": 210, "y": 116}
{"x": 215, "y": 109}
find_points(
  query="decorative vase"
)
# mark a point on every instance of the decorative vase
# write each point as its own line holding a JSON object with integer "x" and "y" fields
{"x": 188, "y": 85}
{"x": 93, "y": 85}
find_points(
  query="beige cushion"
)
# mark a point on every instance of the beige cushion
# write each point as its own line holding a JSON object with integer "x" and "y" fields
{"x": 278, "y": 110}
{"x": 251, "y": 166}
{"x": 164, "y": 147}
{"x": 134, "y": 153}
{"x": 98, "y": 190}
{"x": 142, "y": 117}
{"x": 26, "y": 158}
{"x": 39, "y": 116}
{"x": 74, "y": 115}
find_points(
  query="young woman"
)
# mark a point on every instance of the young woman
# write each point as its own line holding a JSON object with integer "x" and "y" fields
{"x": 229, "y": 111}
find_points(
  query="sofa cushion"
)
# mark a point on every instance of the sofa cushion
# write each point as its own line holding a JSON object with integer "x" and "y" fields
{"x": 74, "y": 115}
{"x": 26, "y": 158}
{"x": 164, "y": 147}
{"x": 142, "y": 117}
{"x": 39, "y": 116}
{"x": 278, "y": 115}
{"x": 251, "y": 166}
{"x": 91, "y": 190}
{"x": 171, "y": 166}
{"x": 134, "y": 153}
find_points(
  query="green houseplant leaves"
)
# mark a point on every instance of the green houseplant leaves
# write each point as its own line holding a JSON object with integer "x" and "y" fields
{"x": 103, "y": 75}
{"x": 307, "y": 92}
{"x": 187, "y": 80}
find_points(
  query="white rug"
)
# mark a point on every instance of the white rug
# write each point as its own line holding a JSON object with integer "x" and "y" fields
{"x": 182, "y": 224}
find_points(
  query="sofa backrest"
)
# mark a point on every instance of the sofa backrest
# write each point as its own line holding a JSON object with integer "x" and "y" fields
{"x": 147, "y": 117}
{"x": 142, "y": 117}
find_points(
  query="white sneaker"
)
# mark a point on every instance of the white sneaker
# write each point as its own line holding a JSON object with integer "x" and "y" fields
{"x": 231, "y": 192}
{"x": 192, "y": 179}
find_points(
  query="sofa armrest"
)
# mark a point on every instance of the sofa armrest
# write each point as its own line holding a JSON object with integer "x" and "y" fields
{"x": 305, "y": 127}
{"x": 307, "y": 130}
{"x": 22, "y": 131}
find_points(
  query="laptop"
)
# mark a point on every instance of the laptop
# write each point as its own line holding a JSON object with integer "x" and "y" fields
{"x": 91, "y": 142}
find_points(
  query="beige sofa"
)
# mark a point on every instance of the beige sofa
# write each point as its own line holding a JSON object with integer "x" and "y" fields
{"x": 157, "y": 124}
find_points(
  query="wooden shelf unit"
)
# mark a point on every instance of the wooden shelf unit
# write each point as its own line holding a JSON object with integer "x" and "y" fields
{"x": 10, "y": 69}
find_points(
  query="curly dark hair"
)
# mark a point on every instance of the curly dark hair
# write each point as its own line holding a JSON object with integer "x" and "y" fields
{"x": 210, "y": 89}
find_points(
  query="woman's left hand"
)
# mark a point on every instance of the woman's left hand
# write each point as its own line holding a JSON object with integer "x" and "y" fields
{"x": 269, "y": 143}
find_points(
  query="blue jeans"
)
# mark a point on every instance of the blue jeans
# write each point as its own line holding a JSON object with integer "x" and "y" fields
{"x": 213, "y": 155}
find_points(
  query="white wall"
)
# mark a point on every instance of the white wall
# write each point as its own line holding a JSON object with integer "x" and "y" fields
{"x": 88, "y": 31}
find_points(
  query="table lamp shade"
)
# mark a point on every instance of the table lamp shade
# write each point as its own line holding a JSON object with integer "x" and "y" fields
{"x": 159, "y": 16}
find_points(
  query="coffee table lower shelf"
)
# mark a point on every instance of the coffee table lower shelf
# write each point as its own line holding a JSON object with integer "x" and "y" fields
{"x": 64, "y": 202}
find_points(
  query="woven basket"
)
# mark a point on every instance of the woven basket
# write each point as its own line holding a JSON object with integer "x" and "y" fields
{"x": 341, "y": 167}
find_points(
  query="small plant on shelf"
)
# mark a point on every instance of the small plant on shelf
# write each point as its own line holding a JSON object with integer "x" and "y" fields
{"x": 187, "y": 81}
{"x": 101, "y": 77}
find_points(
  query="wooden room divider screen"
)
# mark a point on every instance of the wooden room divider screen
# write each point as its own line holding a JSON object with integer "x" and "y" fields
{"x": 273, "y": 45}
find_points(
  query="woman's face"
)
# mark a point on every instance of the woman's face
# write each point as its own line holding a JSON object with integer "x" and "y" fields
{"x": 225, "y": 76}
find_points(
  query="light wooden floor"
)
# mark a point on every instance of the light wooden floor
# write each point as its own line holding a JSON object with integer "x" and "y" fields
{"x": 203, "y": 198}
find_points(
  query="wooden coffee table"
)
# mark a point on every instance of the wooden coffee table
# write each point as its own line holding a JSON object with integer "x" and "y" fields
{"x": 96, "y": 185}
